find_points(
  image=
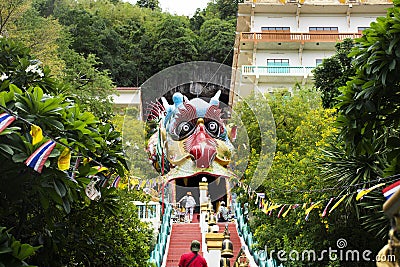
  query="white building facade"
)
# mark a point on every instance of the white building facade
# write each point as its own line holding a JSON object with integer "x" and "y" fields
{"x": 279, "y": 42}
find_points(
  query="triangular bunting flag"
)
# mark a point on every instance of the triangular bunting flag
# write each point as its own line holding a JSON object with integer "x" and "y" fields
{"x": 104, "y": 180}
{"x": 116, "y": 181}
{"x": 266, "y": 205}
{"x": 5, "y": 120}
{"x": 337, "y": 203}
{"x": 326, "y": 208}
{"x": 272, "y": 207}
{"x": 363, "y": 192}
{"x": 39, "y": 157}
{"x": 286, "y": 212}
{"x": 313, "y": 205}
{"x": 64, "y": 160}
{"x": 281, "y": 210}
{"x": 37, "y": 134}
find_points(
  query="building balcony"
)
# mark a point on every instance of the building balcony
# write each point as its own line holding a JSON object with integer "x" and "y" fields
{"x": 320, "y": 2}
{"x": 276, "y": 70}
{"x": 297, "y": 37}
{"x": 289, "y": 40}
{"x": 273, "y": 74}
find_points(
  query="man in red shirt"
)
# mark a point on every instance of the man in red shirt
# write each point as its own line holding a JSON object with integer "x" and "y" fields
{"x": 193, "y": 259}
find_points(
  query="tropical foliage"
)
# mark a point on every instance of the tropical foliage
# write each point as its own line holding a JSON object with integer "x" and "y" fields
{"x": 333, "y": 73}
{"x": 368, "y": 110}
{"x": 303, "y": 129}
{"x": 49, "y": 210}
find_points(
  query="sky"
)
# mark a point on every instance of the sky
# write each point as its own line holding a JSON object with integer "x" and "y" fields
{"x": 181, "y": 7}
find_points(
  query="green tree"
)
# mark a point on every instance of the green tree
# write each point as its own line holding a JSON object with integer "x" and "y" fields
{"x": 197, "y": 20}
{"x": 50, "y": 209}
{"x": 303, "y": 129}
{"x": 91, "y": 87}
{"x": 368, "y": 116}
{"x": 152, "y": 4}
{"x": 11, "y": 10}
{"x": 217, "y": 38}
{"x": 175, "y": 43}
{"x": 42, "y": 36}
{"x": 227, "y": 8}
{"x": 333, "y": 73}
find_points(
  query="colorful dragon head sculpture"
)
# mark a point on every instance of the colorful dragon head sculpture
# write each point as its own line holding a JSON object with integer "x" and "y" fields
{"x": 191, "y": 138}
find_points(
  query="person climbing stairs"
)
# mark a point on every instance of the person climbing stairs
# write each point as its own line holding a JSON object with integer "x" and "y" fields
{"x": 182, "y": 235}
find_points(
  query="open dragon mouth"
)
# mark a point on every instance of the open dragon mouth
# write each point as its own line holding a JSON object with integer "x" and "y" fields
{"x": 189, "y": 170}
{"x": 187, "y": 177}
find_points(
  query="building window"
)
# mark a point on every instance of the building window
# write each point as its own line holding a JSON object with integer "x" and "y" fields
{"x": 275, "y": 29}
{"x": 318, "y": 61}
{"x": 278, "y": 65}
{"x": 330, "y": 29}
{"x": 360, "y": 29}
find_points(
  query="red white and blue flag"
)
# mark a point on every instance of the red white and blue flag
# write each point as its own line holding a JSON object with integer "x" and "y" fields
{"x": 391, "y": 189}
{"x": 5, "y": 120}
{"x": 116, "y": 181}
{"x": 39, "y": 157}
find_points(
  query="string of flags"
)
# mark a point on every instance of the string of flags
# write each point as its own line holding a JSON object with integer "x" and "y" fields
{"x": 38, "y": 158}
{"x": 268, "y": 207}
{"x": 156, "y": 182}
{"x": 36, "y": 132}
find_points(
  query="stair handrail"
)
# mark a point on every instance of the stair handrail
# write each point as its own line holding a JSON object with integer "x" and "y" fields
{"x": 244, "y": 231}
{"x": 238, "y": 256}
{"x": 157, "y": 254}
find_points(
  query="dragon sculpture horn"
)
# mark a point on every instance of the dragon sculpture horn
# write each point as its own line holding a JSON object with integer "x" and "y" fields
{"x": 215, "y": 99}
{"x": 177, "y": 98}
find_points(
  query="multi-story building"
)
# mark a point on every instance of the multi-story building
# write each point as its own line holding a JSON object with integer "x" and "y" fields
{"x": 279, "y": 42}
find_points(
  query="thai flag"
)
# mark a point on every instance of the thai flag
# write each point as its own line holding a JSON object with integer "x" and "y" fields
{"x": 116, "y": 181}
{"x": 5, "y": 120}
{"x": 39, "y": 157}
{"x": 103, "y": 181}
{"x": 391, "y": 189}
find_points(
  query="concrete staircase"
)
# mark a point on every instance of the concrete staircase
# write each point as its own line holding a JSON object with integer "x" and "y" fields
{"x": 182, "y": 235}
{"x": 234, "y": 238}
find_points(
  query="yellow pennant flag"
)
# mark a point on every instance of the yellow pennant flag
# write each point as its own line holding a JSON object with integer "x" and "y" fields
{"x": 64, "y": 159}
{"x": 366, "y": 191}
{"x": 312, "y": 207}
{"x": 142, "y": 184}
{"x": 101, "y": 168}
{"x": 37, "y": 134}
{"x": 86, "y": 160}
{"x": 272, "y": 207}
{"x": 286, "y": 212}
{"x": 265, "y": 207}
{"x": 337, "y": 203}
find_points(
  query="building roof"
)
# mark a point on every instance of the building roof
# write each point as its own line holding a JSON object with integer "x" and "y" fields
{"x": 127, "y": 88}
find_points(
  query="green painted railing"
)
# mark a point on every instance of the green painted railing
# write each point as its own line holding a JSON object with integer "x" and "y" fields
{"x": 157, "y": 255}
{"x": 276, "y": 70}
{"x": 260, "y": 256}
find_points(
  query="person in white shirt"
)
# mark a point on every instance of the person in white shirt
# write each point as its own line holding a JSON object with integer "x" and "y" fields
{"x": 189, "y": 205}
{"x": 223, "y": 212}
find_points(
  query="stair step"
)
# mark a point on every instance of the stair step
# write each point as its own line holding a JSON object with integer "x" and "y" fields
{"x": 182, "y": 235}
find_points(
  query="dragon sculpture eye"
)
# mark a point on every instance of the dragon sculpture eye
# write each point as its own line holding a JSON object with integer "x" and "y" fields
{"x": 184, "y": 129}
{"x": 213, "y": 128}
